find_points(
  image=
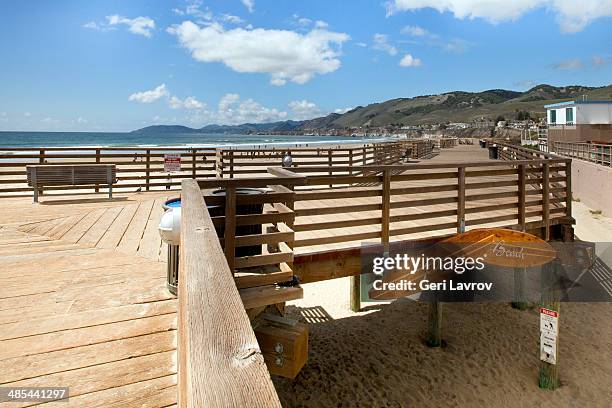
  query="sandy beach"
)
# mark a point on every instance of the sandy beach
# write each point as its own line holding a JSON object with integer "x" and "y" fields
{"x": 377, "y": 358}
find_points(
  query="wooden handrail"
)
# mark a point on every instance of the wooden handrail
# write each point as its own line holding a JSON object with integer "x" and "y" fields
{"x": 219, "y": 361}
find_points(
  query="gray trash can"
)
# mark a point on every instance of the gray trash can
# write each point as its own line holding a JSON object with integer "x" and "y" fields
{"x": 493, "y": 152}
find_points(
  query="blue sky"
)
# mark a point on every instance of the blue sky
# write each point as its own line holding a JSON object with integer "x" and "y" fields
{"x": 117, "y": 65}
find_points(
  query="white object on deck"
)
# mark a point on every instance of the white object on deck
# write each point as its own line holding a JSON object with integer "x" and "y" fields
{"x": 170, "y": 226}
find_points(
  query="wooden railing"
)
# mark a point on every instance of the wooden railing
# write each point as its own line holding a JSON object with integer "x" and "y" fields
{"x": 144, "y": 167}
{"x": 235, "y": 163}
{"x": 592, "y": 152}
{"x": 220, "y": 362}
{"x": 400, "y": 202}
{"x": 136, "y": 167}
{"x": 447, "y": 142}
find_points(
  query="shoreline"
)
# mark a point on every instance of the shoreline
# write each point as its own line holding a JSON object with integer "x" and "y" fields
{"x": 187, "y": 146}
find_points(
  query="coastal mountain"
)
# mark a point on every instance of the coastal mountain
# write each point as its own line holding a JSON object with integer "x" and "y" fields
{"x": 457, "y": 106}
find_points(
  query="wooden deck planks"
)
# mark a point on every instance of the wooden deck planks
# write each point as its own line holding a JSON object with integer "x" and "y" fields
{"x": 150, "y": 244}
{"x": 95, "y": 319}
{"x": 115, "y": 232}
{"x": 95, "y": 233}
{"x": 131, "y": 239}
{"x": 106, "y": 376}
{"x": 20, "y": 368}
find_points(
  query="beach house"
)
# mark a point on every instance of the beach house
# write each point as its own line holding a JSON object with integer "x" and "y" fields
{"x": 580, "y": 121}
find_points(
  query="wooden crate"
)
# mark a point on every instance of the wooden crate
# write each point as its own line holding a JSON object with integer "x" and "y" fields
{"x": 283, "y": 343}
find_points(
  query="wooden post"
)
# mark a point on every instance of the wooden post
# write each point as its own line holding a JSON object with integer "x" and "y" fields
{"x": 148, "y": 170}
{"x": 194, "y": 158}
{"x": 522, "y": 176}
{"x": 230, "y": 227}
{"x": 355, "y": 293}
{"x": 329, "y": 164}
{"x": 97, "y": 189}
{"x": 460, "y": 199}
{"x": 549, "y": 376}
{"x": 350, "y": 162}
{"x": 568, "y": 188}
{"x": 231, "y": 161}
{"x": 386, "y": 209}
{"x": 546, "y": 200}
{"x": 434, "y": 325}
{"x": 219, "y": 163}
{"x": 41, "y": 160}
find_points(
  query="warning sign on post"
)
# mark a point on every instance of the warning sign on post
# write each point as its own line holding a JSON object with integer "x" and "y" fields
{"x": 172, "y": 163}
{"x": 549, "y": 331}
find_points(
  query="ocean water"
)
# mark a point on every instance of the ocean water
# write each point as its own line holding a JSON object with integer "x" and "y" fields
{"x": 95, "y": 139}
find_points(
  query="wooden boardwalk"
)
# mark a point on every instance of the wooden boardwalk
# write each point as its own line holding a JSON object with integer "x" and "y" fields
{"x": 83, "y": 299}
{"x": 83, "y": 302}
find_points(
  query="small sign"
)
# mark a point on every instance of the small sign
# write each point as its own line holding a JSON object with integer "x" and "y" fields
{"x": 549, "y": 331}
{"x": 172, "y": 163}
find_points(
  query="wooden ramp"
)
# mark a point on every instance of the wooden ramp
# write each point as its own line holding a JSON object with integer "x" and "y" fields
{"x": 83, "y": 303}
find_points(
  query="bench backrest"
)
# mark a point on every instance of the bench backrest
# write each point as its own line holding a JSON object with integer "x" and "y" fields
{"x": 72, "y": 175}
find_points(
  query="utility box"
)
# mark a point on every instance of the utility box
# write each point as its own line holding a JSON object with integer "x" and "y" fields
{"x": 283, "y": 343}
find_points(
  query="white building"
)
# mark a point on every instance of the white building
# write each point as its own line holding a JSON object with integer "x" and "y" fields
{"x": 580, "y": 121}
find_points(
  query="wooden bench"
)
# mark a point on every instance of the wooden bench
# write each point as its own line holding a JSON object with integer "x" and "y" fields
{"x": 40, "y": 176}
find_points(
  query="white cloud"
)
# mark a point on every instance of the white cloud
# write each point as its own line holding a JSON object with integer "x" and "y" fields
{"x": 231, "y": 18}
{"x": 570, "y": 16}
{"x": 232, "y": 110}
{"x": 381, "y": 43}
{"x": 249, "y": 4}
{"x": 321, "y": 24}
{"x": 190, "y": 103}
{"x": 415, "y": 31}
{"x": 92, "y": 25}
{"x": 304, "y": 109}
{"x": 303, "y": 21}
{"x": 149, "y": 96}
{"x": 138, "y": 25}
{"x": 342, "y": 110}
{"x": 193, "y": 9}
{"x": 284, "y": 55}
{"x": 570, "y": 64}
{"x": 409, "y": 61}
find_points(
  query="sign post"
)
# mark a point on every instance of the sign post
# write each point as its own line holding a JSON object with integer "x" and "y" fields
{"x": 172, "y": 164}
{"x": 549, "y": 329}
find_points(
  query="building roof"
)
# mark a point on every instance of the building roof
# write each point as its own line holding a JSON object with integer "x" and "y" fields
{"x": 568, "y": 103}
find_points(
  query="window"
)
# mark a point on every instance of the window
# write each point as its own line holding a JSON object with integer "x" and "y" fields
{"x": 569, "y": 116}
{"x": 553, "y": 116}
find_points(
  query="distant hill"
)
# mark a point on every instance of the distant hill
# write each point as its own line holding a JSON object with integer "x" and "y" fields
{"x": 457, "y": 106}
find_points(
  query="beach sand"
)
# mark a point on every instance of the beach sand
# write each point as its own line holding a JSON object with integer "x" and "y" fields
{"x": 377, "y": 358}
